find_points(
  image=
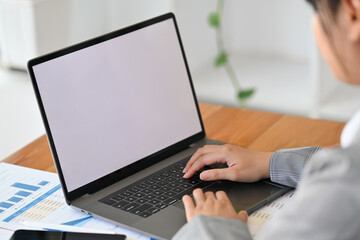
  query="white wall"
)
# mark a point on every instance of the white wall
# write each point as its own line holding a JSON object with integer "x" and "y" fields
{"x": 280, "y": 28}
{"x": 276, "y": 27}
{"x": 91, "y": 18}
{"x": 198, "y": 38}
{"x": 32, "y": 28}
{"x": 36, "y": 27}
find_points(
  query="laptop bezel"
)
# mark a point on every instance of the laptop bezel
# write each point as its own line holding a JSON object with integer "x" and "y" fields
{"x": 122, "y": 173}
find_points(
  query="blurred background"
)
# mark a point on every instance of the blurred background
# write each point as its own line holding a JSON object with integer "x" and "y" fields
{"x": 269, "y": 42}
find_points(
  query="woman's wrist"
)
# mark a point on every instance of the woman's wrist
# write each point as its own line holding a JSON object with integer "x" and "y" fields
{"x": 265, "y": 164}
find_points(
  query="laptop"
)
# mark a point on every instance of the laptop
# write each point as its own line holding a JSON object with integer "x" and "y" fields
{"x": 122, "y": 120}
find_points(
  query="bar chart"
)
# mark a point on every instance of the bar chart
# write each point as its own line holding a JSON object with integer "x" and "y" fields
{"x": 25, "y": 191}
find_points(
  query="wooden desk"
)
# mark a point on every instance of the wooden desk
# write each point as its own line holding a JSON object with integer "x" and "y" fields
{"x": 251, "y": 129}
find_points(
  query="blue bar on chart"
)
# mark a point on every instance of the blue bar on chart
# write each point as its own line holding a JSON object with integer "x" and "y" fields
{"x": 78, "y": 222}
{"x": 25, "y": 186}
{"x": 5, "y": 205}
{"x": 15, "y": 199}
{"x": 23, "y": 193}
{"x": 1, "y": 210}
{"x": 43, "y": 183}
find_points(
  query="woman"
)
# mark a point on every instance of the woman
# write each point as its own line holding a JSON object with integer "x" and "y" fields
{"x": 327, "y": 199}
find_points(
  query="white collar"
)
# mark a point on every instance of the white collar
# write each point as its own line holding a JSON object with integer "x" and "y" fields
{"x": 351, "y": 132}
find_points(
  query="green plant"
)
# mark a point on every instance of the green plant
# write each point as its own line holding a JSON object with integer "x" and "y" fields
{"x": 222, "y": 59}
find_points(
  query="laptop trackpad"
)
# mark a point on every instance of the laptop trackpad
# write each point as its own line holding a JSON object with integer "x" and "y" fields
{"x": 242, "y": 195}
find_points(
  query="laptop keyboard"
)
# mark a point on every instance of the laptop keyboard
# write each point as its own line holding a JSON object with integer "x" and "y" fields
{"x": 155, "y": 192}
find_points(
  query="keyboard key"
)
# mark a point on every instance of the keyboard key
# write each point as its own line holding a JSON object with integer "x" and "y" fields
{"x": 186, "y": 192}
{"x": 192, "y": 181}
{"x": 130, "y": 199}
{"x": 181, "y": 167}
{"x": 165, "y": 189}
{"x": 173, "y": 185}
{"x": 130, "y": 206}
{"x": 162, "y": 197}
{"x": 121, "y": 204}
{"x": 178, "y": 175}
{"x": 162, "y": 183}
{"x": 108, "y": 201}
{"x": 150, "y": 196}
{"x": 157, "y": 192}
{"x": 165, "y": 174}
{"x": 141, "y": 209}
{"x": 170, "y": 201}
{"x": 147, "y": 190}
{"x": 139, "y": 194}
{"x": 181, "y": 181}
{"x": 153, "y": 210}
{"x": 185, "y": 185}
{"x": 154, "y": 201}
{"x": 125, "y": 194}
{"x": 157, "y": 178}
{"x": 170, "y": 194}
{"x": 145, "y": 214}
{"x": 177, "y": 189}
{"x": 134, "y": 190}
{"x": 203, "y": 184}
{"x": 142, "y": 186}
{"x": 161, "y": 206}
{"x": 155, "y": 187}
{"x": 117, "y": 198}
{"x": 169, "y": 179}
{"x": 149, "y": 182}
{"x": 141, "y": 200}
{"x": 173, "y": 170}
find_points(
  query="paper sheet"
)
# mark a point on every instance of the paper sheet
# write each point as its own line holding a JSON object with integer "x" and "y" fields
{"x": 33, "y": 195}
{"x": 259, "y": 218}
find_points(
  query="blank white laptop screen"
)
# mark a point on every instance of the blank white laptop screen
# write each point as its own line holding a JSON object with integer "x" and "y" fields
{"x": 116, "y": 102}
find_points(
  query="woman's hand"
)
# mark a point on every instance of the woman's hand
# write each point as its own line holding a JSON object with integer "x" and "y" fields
{"x": 210, "y": 204}
{"x": 243, "y": 165}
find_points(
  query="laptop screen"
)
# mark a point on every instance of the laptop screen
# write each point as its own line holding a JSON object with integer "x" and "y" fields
{"x": 113, "y": 103}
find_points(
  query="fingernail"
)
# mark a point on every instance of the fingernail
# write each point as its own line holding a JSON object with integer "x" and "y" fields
{"x": 185, "y": 175}
{"x": 184, "y": 170}
{"x": 204, "y": 175}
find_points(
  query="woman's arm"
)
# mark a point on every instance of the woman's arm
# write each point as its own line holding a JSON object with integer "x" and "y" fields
{"x": 283, "y": 166}
{"x": 325, "y": 206}
{"x": 286, "y": 166}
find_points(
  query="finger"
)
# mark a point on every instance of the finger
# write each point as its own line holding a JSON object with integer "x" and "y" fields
{"x": 209, "y": 195}
{"x": 221, "y": 195}
{"x": 208, "y": 159}
{"x": 243, "y": 215}
{"x": 216, "y": 174}
{"x": 198, "y": 196}
{"x": 200, "y": 152}
{"x": 189, "y": 207}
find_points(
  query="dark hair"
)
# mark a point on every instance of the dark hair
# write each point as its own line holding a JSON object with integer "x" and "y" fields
{"x": 327, "y": 12}
{"x": 332, "y": 5}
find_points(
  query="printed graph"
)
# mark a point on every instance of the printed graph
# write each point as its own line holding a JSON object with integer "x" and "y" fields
{"x": 25, "y": 191}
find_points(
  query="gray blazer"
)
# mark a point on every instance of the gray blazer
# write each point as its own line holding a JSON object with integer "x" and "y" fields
{"x": 326, "y": 203}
